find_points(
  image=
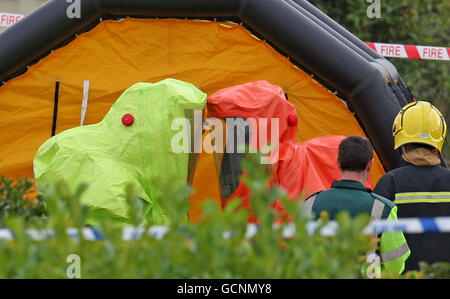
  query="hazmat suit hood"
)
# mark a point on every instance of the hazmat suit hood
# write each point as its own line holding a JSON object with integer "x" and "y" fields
{"x": 257, "y": 100}
{"x": 131, "y": 145}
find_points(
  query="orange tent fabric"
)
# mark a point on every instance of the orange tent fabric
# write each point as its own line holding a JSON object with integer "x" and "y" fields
{"x": 116, "y": 54}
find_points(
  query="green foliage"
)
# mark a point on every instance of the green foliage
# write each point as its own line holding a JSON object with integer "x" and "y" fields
{"x": 199, "y": 250}
{"x": 415, "y": 22}
{"x": 188, "y": 250}
{"x": 14, "y": 200}
{"x": 435, "y": 271}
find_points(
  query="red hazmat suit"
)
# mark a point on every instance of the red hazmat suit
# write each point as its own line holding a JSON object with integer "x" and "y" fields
{"x": 299, "y": 168}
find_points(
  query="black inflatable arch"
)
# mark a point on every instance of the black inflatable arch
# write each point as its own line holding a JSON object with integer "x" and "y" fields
{"x": 368, "y": 83}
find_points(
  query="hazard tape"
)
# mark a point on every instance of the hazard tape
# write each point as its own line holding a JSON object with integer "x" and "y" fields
{"x": 9, "y": 19}
{"x": 406, "y": 225}
{"x": 384, "y": 49}
{"x": 411, "y": 51}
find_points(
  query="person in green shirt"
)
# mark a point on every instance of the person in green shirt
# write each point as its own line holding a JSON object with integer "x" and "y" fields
{"x": 355, "y": 160}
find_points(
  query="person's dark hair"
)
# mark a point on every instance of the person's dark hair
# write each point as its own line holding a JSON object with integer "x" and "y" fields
{"x": 355, "y": 152}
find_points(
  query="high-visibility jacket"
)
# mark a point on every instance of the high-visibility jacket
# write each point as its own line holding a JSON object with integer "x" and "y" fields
{"x": 420, "y": 192}
{"x": 353, "y": 197}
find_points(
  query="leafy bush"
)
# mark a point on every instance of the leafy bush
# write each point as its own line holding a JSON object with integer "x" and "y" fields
{"x": 434, "y": 271}
{"x": 14, "y": 200}
{"x": 188, "y": 250}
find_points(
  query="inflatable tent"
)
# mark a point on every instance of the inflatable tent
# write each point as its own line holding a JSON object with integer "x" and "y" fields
{"x": 65, "y": 64}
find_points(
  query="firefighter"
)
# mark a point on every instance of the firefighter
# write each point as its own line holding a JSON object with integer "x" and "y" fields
{"x": 421, "y": 187}
{"x": 355, "y": 159}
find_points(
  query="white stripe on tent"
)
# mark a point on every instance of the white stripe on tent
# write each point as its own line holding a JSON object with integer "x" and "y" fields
{"x": 84, "y": 102}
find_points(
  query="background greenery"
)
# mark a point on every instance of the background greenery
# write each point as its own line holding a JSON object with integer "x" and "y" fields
{"x": 188, "y": 250}
{"x": 14, "y": 200}
{"x": 415, "y": 22}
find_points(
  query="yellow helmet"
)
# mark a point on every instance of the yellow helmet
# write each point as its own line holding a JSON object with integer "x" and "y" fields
{"x": 419, "y": 122}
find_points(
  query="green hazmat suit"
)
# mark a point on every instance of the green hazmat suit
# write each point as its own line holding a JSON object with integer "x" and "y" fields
{"x": 110, "y": 155}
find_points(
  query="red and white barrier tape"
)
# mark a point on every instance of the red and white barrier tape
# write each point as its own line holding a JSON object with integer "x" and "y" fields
{"x": 8, "y": 19}
{"x": 410, "y": 51}
{"x": 386, "y": 50}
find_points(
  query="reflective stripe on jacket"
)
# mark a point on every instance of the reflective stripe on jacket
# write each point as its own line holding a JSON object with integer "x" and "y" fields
{"x": 354, "y": 198}
{"x": 420, "y": 192}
